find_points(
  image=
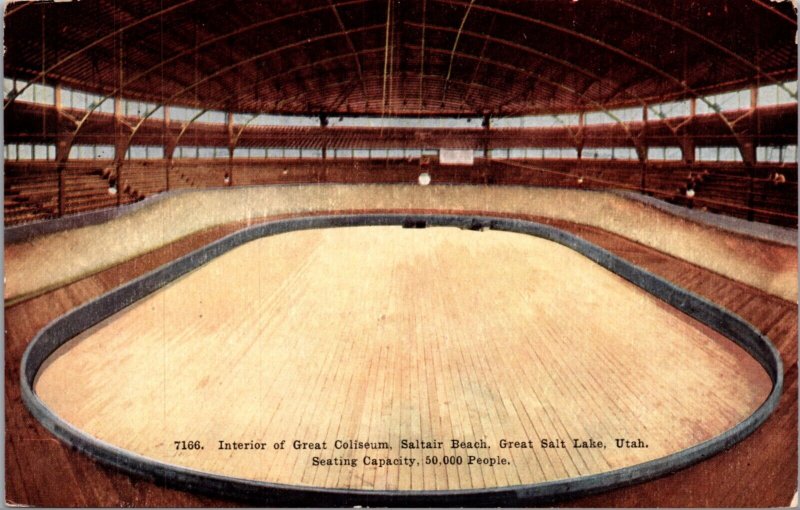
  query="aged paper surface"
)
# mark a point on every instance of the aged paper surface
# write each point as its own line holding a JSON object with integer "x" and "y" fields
{"x": 433, "y": 253}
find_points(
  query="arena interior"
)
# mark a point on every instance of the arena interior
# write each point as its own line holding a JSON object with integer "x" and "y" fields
{"x": 210, "y": 301}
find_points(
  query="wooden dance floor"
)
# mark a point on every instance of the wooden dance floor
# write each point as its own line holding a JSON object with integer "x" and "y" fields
{"x": 379, "y": 335}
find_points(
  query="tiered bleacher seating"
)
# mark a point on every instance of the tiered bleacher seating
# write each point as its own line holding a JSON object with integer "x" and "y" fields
{"x": 274, "y": 172}
{"x": 666, "y": 181}
{"x": 31, "y": 193}
{"x": 198, "y": 175}
{"x": 727, "y": 190}
{"x": 141, "y": 179}
{"x": 87, "y": 189}
{"x": 32, "y": 188}
{"x": 770, "y": 194}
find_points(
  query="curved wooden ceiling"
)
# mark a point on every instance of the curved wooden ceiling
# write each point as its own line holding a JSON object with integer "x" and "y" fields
{"x": 429, "y": 57}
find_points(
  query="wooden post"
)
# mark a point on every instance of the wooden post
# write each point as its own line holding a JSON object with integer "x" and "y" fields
{"x": 169, "y": 146}
{"x": 120, "y": 147}
{"x": 748, "y": 157}
{"x": 231, "y": 148}
{"x": 642, "y": 150}
{"x": 487, "y": 162}
{"x": 62, "y": 153}
{"x": 688, "y": 142}
{"x": 323, "y": 176}
{"x": 749, "y": 152}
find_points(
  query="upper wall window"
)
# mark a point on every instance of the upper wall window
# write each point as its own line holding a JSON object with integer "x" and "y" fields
{"x": 251, "y": 119}
{"x": 567, "y": 119}
{"x": 789, "y": 154}
{"x": 534, "y": 153}
{"x": 340, "y": 153}
{"x": 8, "y": 87}
{"x": 777, "y": 94}
{"x": 664, "y": 154}
{"x": 529, "y": 153}
{"x": 670, "y": 109}
{"x": 727, "y": 101}
{"x": 609, "y": 153}
{"x": 212, "y": 117}
{"x": 293, "y": 153}
{"x": 717, "y": 154}
{"x": 26, "y": 151}
{"x": 185, "y": 153}
{"x": 216, "y": 152}
{"x": 78, "y": 100}
{"x": 311, "y": 153}
{"x": 535, "y": 121}
{"x": 374, "y": 153}
{"x": 91, "y": 152}
{"x": 624, "y": 153}
{"x": 287, "y": 121}
{"x": 777, "y": 153}
{"x": 141, "y": 109}
{"x": 242, "y": 119}
{"x": 562, "y": 153}
{"x": 407, "y": 122}
{"x": 250, "y": 152}
{"x": 182, "y": 114}
{"x": 145, "y": 152}
{"x": 200, "y": 152}
{"x": 597, "y": 153}
{"x": 518, "y": 122}
{"x": 613, "y": 116}
{"x": 36, "y": 93}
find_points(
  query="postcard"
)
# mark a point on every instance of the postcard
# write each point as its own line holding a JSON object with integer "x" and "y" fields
{"x": 435, "y": 253}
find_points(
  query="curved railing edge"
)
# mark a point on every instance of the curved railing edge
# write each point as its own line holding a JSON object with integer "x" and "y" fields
{"x": 64, "y": 328}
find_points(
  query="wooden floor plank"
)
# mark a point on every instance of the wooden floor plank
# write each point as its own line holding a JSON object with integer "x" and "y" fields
{"x": 249, "y": 308}
{"x": 761, "y": 450}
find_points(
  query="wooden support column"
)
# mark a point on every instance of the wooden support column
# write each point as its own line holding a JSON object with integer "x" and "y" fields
{"x": 231, "y": 148}
{"x": 749, "y": 154}
{"x": 120, "y": 147}
{"x": 748, "y": 157}
{"x": 687, "y": 143}
{"x": 63, "y": 146}
{"x": 121, "y": 144}
{"x": 641, "y": 149}
{"x": 323, "y": 176}
{"x": 687, "y": 146}
{"x": 169, "y": 146}
{"x": 487, "y": 135}
{"x": 750, "y": 192}
{"x": 580, "y": 137}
